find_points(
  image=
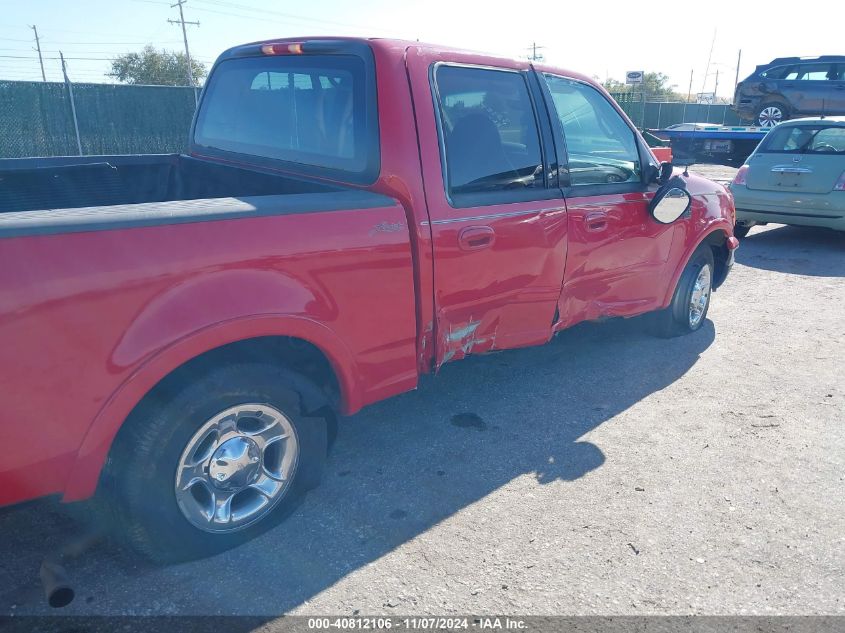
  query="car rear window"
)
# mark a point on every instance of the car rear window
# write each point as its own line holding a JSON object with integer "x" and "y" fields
{"x": 805, "y": 139}
{"x": 313, "y": 110}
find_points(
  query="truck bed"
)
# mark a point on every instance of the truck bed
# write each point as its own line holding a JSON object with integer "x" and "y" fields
{"x": 96, "y": 181}
{"x": 115, "y": 268}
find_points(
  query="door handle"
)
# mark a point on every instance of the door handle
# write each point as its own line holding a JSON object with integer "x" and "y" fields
{"x": 596, "y": 221}
{"x": 474, "y": 238}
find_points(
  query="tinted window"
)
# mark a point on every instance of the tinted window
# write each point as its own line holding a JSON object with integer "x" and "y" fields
{"x": 600, "y": 146}
{"x": 489, "y": 130}
{"x": 304, "y": 109}
{"x": 775, "y": 73}
{"x": 805, "y": 139}
{"x": 809, "y": 72}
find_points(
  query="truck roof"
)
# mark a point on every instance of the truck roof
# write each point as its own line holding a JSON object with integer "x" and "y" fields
{"x": 398, "y": 47}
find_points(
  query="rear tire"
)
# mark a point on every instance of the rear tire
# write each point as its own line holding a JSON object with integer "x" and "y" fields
{"x": 240, "y": 434}
{"x": 771, "y": 113}
{"x": 691, "y": 300}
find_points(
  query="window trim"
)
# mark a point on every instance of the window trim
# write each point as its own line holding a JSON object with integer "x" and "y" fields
{"x": 372, "y": 168}
{"x": 490, "y": 198}
{"x": 597, "y": 189}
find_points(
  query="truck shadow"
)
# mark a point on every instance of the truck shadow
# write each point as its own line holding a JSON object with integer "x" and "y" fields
{"x": 795, "y": 250}
{"x": 399, "y": 468}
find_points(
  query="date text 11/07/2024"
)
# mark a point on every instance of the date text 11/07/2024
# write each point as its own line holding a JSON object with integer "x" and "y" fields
{"x": 416, "y": 624}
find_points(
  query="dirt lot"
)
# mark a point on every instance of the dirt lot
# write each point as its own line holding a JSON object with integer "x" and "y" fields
{"x": 607, "y": 472}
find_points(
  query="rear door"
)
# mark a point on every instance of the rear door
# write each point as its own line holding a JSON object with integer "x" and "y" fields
{"x": 497, "y": 218}
{"x": 837, "y": 91}
{"x": 808, "y": 87}
{"x": 799, "y": 159}
{"x": 617, "y": 252}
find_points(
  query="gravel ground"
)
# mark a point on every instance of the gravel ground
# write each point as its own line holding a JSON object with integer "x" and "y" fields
{"x": 608, "y": 472}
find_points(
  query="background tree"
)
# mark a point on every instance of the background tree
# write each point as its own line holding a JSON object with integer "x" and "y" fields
{"x": 655, "y": 85}
{"x": 157, "y": 68}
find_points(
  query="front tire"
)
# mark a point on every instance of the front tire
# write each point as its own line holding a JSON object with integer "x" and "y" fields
{"x": 206, "y": 465}
{"x": 691, "y": 300}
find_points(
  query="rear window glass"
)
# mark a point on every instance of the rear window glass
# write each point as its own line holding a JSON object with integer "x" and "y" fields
{"x": 304, "y": 109}
{"x": 805, "y": 139}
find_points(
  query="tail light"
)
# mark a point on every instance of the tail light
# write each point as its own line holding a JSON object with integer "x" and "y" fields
{"x": 739, "y": 179}
{"x": 840, "y": 184}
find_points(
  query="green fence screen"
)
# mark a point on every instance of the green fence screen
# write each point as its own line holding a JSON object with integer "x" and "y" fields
{"x": 657, "y": 115}
{"x": 36, "y": 119}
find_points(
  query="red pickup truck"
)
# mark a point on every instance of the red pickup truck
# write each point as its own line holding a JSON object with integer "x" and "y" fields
{"x": 178, "y": 331}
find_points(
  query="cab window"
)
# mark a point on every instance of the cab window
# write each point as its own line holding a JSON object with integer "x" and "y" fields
{"x": 600, "y": 146}
{"x": 310, "y": 110}
{"x": 489, "y": 132}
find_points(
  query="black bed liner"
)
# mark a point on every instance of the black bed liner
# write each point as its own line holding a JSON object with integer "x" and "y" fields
{"x": 28, "y": 184}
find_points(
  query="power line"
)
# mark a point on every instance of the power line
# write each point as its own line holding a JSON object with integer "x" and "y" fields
{"x": 288, "y": 17}
{"x": 243, "y": 7}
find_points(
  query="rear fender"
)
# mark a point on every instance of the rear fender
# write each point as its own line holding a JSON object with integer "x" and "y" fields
{"x": 92, "y": 454}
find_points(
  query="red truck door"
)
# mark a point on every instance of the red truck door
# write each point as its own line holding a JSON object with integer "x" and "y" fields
{"x": 617, "y": 253}
{"x": 497, "y": 217}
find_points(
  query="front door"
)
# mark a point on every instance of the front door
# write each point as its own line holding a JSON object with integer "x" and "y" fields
{"x": 617, "y": 252}
{"x": 497, "y": 218}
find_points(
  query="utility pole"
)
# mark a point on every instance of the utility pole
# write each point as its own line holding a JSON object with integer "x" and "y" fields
{"x": 709, "y": 57}
{"x": 72, "y": 103}
{"x": 689, "y": 96}
{"x": 689, "y": 92}
{"x": 182, "y": 21}
{"x": 535, "y": 56}
{"x": 38, "y": 48}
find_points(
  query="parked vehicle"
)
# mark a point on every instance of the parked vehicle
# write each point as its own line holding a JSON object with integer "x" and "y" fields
{"x": 708, "y": 142}
{"x": 792, "y": 86}
{"x": 179, "y": 331}
{"x": 795, "y": 176}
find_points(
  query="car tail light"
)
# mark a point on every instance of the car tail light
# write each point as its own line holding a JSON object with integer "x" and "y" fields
{"x": 840, "y": 184}
{"x": 282, "y": 49}
{"x": 739, "y": 179}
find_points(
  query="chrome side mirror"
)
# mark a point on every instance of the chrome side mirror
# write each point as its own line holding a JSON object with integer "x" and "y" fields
{"x": 670, "y": 202}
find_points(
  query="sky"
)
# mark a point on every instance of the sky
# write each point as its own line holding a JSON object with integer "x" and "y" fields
{"x": 601, "y": 39}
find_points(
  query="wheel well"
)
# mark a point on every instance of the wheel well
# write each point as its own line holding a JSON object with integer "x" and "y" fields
{"x": 718, "y": 243}
{"x": 295, "y": 354}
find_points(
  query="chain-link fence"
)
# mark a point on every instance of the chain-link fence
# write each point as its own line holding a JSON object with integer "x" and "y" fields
{"x": 36, "y": 119}
{"x": 661, "y": 114}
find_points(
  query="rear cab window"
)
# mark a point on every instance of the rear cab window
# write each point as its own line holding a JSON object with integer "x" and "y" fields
{"x": 804, "y": 139}
{"x": 315, "y": 114}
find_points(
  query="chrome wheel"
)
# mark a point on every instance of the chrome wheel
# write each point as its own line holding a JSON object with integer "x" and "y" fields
{"x": 770, "y": 116}
{"x": 236, "y": 468}
{"x": 700, "y": 297}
